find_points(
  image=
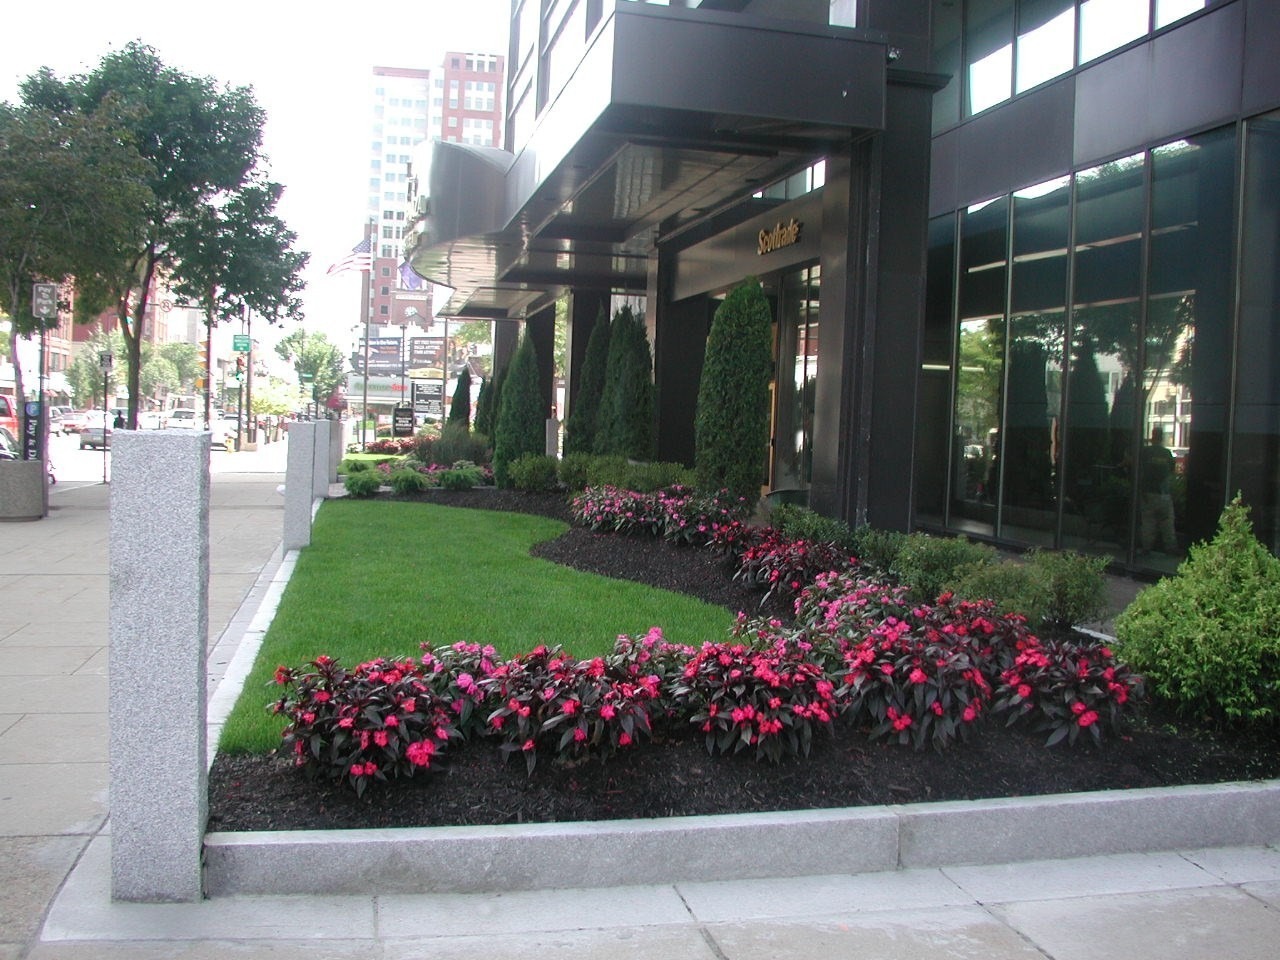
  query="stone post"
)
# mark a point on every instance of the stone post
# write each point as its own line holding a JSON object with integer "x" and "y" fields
{"x": 320, "y": 460}
{"x": 159, "y": 623}
{"x": 298, "y": 483}
{"x": 337, "y": 447}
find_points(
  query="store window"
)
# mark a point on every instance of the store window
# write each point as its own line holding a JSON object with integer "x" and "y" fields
{"x": 988, "y": 52}
{"x": 1046, "y": 41}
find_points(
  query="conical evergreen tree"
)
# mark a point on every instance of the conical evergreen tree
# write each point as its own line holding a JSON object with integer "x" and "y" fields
{"x": 580, "y": 430}
{"x": 732, "y": 420}
{"x": 460, "y": 409}
{"x": 521, "y": 427}
{"x": 625, "y": 426}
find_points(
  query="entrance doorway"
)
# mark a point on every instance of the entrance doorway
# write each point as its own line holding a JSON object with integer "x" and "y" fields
{"x": 796, "y": 378}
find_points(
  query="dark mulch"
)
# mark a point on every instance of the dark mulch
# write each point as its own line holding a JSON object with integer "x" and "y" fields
{"x": 674, "y": 776}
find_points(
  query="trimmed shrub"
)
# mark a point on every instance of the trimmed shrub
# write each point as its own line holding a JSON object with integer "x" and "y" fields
{"x": 580, "y": 428}
{"x": 1208, "y": 638}
{"x": 651, "y": 477}
{"x": 460, "y": 408}
{"x": 732, "y": 420}
{"x": 350, "y": 465}
{"x": 574, "y": 470}
{"x": 463, "y": 475}
{"x": 877, "y": 549}
{"x": 521, "y": 425}
{"x": 484, "y": 418}
{"x": 533, "y": 473}
{"x": 364, "y": 483}
{"x": 1013, "y": 587}
{"x": 625, "y": 424}
{"x": 454, "y": 443}
{"x": 801, "y": 523}
{"x": 926, "y": 564}
{"x": 1075, "y": 585}
{"x": 409, "y": 480}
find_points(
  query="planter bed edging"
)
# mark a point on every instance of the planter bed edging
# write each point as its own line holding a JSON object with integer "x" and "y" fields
{"x": 743, "y": 846}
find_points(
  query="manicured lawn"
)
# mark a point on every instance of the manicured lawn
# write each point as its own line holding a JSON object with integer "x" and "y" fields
{"x": 380, "y": 577}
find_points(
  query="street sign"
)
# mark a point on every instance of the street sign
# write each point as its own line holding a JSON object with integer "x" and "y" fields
{"x": 240, "y": 343}
{"x": 44, "y": 300}
{"x": 105, "y": 362}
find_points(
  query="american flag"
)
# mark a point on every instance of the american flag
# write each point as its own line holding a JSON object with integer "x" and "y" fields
{"x": 360, "y": 258}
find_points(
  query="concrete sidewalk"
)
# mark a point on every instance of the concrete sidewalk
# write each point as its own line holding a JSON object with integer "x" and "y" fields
{"x": 54, "y": 852}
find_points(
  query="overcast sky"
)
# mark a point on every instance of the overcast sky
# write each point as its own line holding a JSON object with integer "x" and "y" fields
{"x": 309, "y": 64}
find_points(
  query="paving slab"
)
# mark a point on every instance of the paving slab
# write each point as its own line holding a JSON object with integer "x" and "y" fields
{"x": 1268, "y": 892}
{"x": 211, "y": 950}
{"x": 1238, "y": 864}
{"x": 58, "y": 738}
{"x": 31, "y": 870}
{"x": 1169, "y": 925}
{"x": 618, "y": 943}
{"x": 34, "y": 660}
{"x": 948, "y": 933}
{"x": 540, "y": 911}
{"x": 1053, "y": 879}
{"x": 85, "y": 911}
{"x": 743, "y": 900}
{"x": 50, "y": 799}
{"x": 45, "y": 694}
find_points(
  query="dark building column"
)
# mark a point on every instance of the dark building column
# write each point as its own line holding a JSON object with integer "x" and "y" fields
{"x": 875, "y": 220}
{"x": 680, "y": 345}
{"x": 506, "y": 335}
{"x": 541, "y": 326}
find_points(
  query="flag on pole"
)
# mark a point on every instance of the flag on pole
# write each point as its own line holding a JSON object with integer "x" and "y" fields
{"x": 360, "y": 258}
{"x": 410, "y": 279}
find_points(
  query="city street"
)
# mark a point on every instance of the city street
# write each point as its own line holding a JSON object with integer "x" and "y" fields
{"x": 75, "y": 467}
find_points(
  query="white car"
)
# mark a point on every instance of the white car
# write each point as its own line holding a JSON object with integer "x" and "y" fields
{"x": 182, "y": 419}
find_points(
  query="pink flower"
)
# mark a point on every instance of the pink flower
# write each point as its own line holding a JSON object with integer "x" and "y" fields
{"x": 380, "y": 737}
{"x": 917, "y": 676}
{"x": 607, "y": 711}
{"x": 357, "y": 769}
{"x": 1088, "y": 718}
{"x": 1078, "y": 708}
{"x": 419, "y": 753}
{"x": 392, "y": 721}
{"x": 1024, "y": 690}
{"x": 346, "y": 723}
{"x": 579, "y": 735}
{"x": 624, "y": 739}
{"x": 569, "y": 708}
{"x": 528, "y": 745}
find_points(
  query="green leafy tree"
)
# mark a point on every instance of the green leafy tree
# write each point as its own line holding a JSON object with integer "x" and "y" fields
{"x": 201, "y": 144}
{"x": 484, "y": 408}
{"x": 460, "y": 408}
{"x": 70, "y": 187}
{"x": 580, "y": 430}
{"x": 625, "y": 426}
{"x": 732, "y": 420}
{"x": 521, "y": 426}
{"x": 159, "y": 375}
{"x": 273, "y": 396}
{"x": 315, "y": 360}
{"x": 186, "y": 360}
{"x": 84, "y": 376}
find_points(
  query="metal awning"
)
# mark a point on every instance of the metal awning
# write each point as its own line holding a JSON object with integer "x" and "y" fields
{"x": 628, "y": 151}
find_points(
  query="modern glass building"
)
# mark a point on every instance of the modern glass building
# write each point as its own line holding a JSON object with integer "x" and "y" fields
{"x": 1023, "y": 255}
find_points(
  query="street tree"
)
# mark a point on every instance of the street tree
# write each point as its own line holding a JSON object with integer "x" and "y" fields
{"x": 84, "y": 375}
{"x": 315, "y": 360}
{"x": 71, "y": 183}
{"x": 202, "y": 146}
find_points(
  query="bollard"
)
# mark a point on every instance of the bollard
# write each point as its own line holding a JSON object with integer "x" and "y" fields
{"x": 158, "y": 631}
{"x": 298, "y": 482}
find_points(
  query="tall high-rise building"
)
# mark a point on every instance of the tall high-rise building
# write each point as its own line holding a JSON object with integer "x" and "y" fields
{"x": 400, "y": 115}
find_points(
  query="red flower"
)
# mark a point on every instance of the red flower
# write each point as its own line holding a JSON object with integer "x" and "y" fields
{"x": 528, "y": 745}
{"x": 1088, "y": 718}
{"x": 1024, "y": 690}
{"x": 419, "y": 752}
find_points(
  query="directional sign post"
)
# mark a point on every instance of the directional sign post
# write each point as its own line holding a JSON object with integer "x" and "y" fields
{"x": 241, "y": 343}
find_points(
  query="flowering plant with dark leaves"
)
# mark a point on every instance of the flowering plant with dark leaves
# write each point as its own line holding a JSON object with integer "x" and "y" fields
{"x": 379, "y": 720}
{"x": 614, "y": 510}
{"x": 549, "y": 702}
{"x": 1068, "y": 688}
{"x": 768, "y": 697}
{"x": 783, "y": 567}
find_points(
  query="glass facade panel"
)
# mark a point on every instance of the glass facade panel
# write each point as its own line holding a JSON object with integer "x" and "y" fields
{"x": 1102, "y": 380}
{"x": 947, "y": 22}
{"x": 1186, "y": 346}
{"x": 1256, "y": 441}
{"x": 988, "y": 52}
{"x": 1037, "y": 331}
{"x": 1108, "y": 24}
{"x": 797, "y": 379}
{"x": 980, "y": 365}
{"x": 1168, "y": 11}
{"x": 934, "y": 409}
{"x": 1046, "y": 41}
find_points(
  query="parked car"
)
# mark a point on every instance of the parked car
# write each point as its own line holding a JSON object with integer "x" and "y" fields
{"x": 182, "y": 419}
{"x": 151, "y": 420}
{"x": 9, "y": 449}
{"x": 9, "y": 414}
{"x": 96, "y": 437}
{"x": 75, "y": 420}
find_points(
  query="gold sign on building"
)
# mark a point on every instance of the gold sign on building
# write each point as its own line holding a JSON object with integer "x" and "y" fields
{"x": 783, "y": 235}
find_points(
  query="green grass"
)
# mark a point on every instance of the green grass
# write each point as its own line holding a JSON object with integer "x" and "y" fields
{"x": 379, "y": 578}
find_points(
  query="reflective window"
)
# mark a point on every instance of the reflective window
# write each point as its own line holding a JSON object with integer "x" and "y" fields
{"x": 843, "y": 13}
{"x": 980, "y": 364}
{"x": 1037, "y": 331}
{"x": 1046, "y": 41}
{"x": 1102, "y": 380}
{"x": 988, "y": 52}
{"x": 797, "y": 381}
{"x": 933, "y": 415}
{"x": 1108, "y": 24}
{"x": 946, "y": 60}
{"x": 1187, "y": 346}
{"x": 1256, "y": 442}
{"x": 1168, "y": 11}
